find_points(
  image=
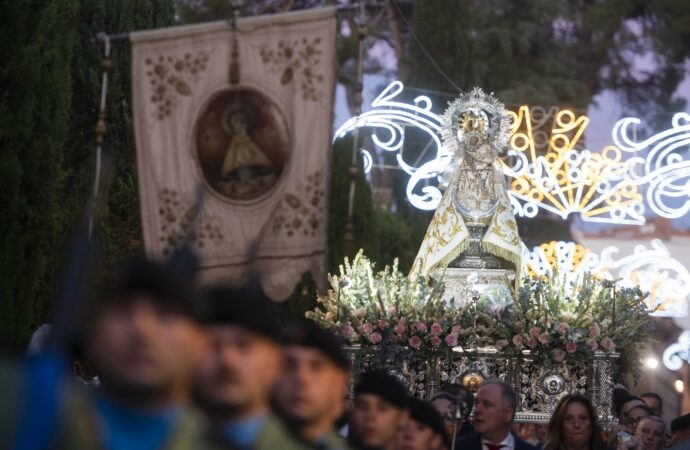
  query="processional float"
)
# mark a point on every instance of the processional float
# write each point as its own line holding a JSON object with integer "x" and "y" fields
{"x": 465, "y": 313}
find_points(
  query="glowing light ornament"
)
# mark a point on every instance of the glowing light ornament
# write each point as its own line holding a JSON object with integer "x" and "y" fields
{"x": 392, "y": 117}
{"x": 549, "y": 171}
{"x": 664, "y": 166}
{"x": 368, "y": 161}
{"x": 551, "y": 174}
{"x": 652, "y": 268}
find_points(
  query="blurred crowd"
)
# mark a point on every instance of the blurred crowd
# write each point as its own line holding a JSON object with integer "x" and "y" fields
{"x": 182, "y": 369}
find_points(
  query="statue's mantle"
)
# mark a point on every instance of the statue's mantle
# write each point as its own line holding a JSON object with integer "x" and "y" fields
{"x": 538, "y": 388}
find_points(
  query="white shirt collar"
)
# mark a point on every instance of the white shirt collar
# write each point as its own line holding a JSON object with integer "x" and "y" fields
{"x": 508, "y": 443}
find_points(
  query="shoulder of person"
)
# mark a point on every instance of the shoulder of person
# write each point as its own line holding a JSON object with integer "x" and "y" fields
{"x": 523, "y": 445}
{"x": 192, "y": 431}
{"x": 336, "y": 442}
{"x": 471, "y": 441}
{"x": 274, "y": 435}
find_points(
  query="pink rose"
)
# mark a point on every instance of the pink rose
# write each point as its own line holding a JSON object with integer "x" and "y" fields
{"x": 592, "y": 344}
{"x": 402, "y": 320}
{"x": 375, "y": 338}
{"x": 534, "y": 331}
{"x": 456, "y": 329}
{"x": 562, "y": 327}
{"x": 501, "y": 344}
{"x": 570, "y": 347}
{"x": 452, "y": 340}
{"x": 348, "y": 330}
{"x": 400, "y": 329}
{"x": 531, "y": 342}
{"x": 415, "y": 342}
{"x": 383, "y": 324}
{"x": 594, "y": 330}
{"x": 436, "y": 328}
{"x": 519, "y": 323}
{"x": 367, "y": 328}
{"x": 545, "y": 338}
{"x": 558, "y": 355}
{"x": 608, "y": 344}
{"x": 420, "y": 327}
{"x": 361, "y": 312}
{"x": 392, "y": 311}
{"x": 435, "y": 341}
{"x": 393, "y": 338}
{"x": 517, "y": 340}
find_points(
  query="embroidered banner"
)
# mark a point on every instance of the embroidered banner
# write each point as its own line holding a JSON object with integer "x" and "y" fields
{"x": 243, "y": 115}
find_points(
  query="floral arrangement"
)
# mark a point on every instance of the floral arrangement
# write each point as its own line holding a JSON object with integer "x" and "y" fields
{"x": 555, "y": 317}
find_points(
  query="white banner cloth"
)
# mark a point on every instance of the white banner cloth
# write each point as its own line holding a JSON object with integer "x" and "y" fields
{"x": 238, "y": 121}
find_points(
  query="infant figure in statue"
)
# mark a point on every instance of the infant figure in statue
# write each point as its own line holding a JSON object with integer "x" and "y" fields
{"x": 473, "y": 230}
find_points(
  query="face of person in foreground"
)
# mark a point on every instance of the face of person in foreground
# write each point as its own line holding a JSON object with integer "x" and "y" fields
{"x": 375, "y": 422}
{"x": 577, "y": 426}
{"x": 240, "y": 372}
{"x": 145, "y": 350}
{"x": 312, "y": 388}
{"x": 492, "y": 418}
{"x": 418, "y": 436}
{"x": 651, "y": 433}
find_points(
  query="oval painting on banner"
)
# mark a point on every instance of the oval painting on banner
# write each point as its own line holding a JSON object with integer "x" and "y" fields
{"x": 242, "y": 143}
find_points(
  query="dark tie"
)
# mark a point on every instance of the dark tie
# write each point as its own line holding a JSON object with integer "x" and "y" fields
{"x": 494, "y": 446}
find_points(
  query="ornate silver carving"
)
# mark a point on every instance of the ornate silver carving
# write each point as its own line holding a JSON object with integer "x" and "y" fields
{"x": 538, "y": 387}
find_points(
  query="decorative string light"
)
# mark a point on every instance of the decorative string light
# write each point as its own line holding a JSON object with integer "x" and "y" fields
{"x": 651, "y": 267}
{"x": 548, "y": 171}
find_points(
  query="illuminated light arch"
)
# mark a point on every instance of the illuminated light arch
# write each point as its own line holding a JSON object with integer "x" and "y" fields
{"x": 651, "y": 267}
{"x": 548, "y": 171}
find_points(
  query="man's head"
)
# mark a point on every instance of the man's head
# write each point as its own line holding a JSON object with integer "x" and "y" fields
{"x": 379, "y": 410}
{"x": 146, "y": 342}
{"x": 494, "y": 410}
{"x": 245, "y": 359}
{"x": 424, "y": 429}
{"x": 680, "y": 429}
{"x": 652, "y": 432}
{"x": 311, "y": 393}
{"x": 654, "y": 401}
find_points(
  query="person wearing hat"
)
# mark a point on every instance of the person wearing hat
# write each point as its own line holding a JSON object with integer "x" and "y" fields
{"x": 379, "y": 411}
{"x": 424, "y": 429}
{"x": 680, "y": 433}
{"x": 241, "y": 371}
{"x": 311, "y": 393}
{"x": 145, "y": 345}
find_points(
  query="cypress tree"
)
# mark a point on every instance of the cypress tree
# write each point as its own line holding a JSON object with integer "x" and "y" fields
{"x": 35, "y": 49}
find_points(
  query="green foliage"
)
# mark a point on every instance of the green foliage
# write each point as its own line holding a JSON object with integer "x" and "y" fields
{"x": 547, "y": 52}
{"x": 120, "y": 227}
{"x": 48, "y": 109}
{"x": 35, "y": 50}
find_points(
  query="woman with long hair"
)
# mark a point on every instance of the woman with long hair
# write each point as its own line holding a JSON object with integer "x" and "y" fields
{"x": 573, "y": 426}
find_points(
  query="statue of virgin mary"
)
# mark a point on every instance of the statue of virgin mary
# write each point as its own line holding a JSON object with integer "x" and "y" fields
{"x": 474, "y": 226}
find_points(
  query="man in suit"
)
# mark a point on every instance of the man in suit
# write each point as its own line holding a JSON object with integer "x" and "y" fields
{"x": 311, "y": 393}
{"x": 494, "y": 412}
{"x": 238, "y": 377}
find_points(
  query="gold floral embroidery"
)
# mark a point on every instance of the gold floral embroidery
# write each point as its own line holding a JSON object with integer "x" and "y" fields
{"x": 177, "y": 220}
{"x": 297, "y": 62}
{"x": 300, "y": 213}
{"x": 170, "y": 77}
